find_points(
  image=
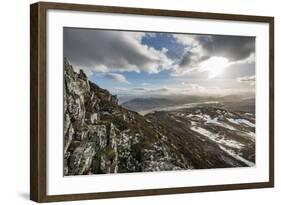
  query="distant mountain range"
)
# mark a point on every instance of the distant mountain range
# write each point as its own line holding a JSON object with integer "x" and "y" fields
{"x": 101, "y": 136}
{"x": 231, "y": 102}
{"x": 140, "y": 104}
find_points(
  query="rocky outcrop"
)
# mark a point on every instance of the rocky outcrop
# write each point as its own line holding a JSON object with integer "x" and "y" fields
{"x": 100, "y": 136}
{"x": 89, "y": 143}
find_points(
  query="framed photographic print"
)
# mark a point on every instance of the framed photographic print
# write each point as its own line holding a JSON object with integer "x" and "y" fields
{"x": 134, "y": 102}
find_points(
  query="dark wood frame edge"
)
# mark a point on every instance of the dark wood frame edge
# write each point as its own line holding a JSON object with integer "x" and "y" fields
{"x": 37, "y": 103}
{"x": 38, "y": 183}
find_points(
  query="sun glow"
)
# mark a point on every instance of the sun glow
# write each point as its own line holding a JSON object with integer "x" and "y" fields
{"x": 214, "y": 66}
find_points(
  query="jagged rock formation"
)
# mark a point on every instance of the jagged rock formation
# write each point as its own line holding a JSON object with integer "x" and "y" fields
{"x": 101, "y": 136}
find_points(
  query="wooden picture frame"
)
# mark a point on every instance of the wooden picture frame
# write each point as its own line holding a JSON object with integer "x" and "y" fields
{"x": 38, "y": 100}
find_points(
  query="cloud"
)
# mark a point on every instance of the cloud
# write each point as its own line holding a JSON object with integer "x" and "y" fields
{"x": 145, "y": 84}
{"x": 191, "y": 40}
{"x": 182, "y": 89}
{"x": 112, "y": 51}
{"x": 232, "y": 47}
{"x": 107, "y": 51}
{"x": 186, "y": 88}
{"x": 150, "y": 34}
{"x": 193, "y": 86}
{"x": 151, "y": 90}
{"x": 139, "y": 89}
{"x": 251, "y": 80}
{"x": 249, "y": 60}
{"x": 115, "y": 77}
{"x": 199, "y": 48}
{"x": 196, "y": 90}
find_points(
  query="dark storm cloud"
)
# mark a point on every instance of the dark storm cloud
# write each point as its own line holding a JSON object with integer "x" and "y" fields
{"x": 202, "y": 47}
{"x": 232, "y": 47}
{"x": 192, "y": 59}
{"x": 105, "y": 51}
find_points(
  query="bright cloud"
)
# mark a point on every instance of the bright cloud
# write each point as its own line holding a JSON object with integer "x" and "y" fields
{"x": 115, "y": 77}
{"x": 214, "y": 66}
{"x": 184, "y": 89}
{"x": 251, "y": 80}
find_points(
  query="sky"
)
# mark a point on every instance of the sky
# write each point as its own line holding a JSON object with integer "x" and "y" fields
{"x": 149, "y": 64}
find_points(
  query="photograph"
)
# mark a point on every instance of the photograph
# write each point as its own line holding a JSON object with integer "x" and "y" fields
{"x": 147, "y": 101}
{"x": 140, "y": 101}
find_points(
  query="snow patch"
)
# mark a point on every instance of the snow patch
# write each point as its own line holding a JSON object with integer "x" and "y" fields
{"x": 208, "y": 120}
{"x": 217, "y": 138}
{"x": 236, "y": 156}
{"x": 241, "y": 121}
{"x": 223, "y": 143}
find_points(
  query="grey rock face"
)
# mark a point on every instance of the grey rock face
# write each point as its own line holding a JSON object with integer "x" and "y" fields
{"x": 90, "y": 143}
{"x": 102, "y": 137}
